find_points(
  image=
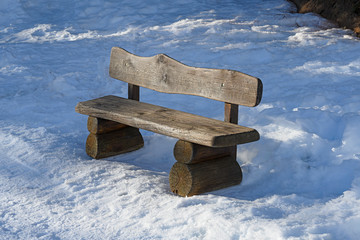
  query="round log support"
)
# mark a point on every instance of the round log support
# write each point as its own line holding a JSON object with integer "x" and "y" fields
{"x": 193, "y": 179}
{"x": 110, "y": 144}
{"x": 190, "y": 153}
{"x": 109, "y": 138}
{"x": 99, "y": 125}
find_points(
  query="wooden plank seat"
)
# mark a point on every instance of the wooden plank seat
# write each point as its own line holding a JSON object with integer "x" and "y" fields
{"x": 185, "y": 126}
{"x": 206, "y": 150}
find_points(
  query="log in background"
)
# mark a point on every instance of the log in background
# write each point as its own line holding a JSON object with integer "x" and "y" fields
{"x": 346, "y": 13}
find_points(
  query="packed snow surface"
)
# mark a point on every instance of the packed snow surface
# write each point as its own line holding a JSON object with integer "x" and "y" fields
{"x": 301, "y": 180}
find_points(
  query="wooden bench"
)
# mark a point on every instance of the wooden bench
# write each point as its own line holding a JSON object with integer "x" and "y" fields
{"x": 206, "y": 150}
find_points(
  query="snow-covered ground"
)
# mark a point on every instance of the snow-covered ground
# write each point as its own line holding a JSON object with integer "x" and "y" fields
{"x": 301, "y": 180}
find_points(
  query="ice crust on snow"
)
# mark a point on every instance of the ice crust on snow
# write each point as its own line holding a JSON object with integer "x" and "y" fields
{"x": 301, "y": 180}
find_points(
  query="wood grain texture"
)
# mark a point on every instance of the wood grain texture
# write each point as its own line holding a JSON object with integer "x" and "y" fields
{"x": 164, "y": 74}
{"x": 191, "y": 153}
{"x": 133, "y": 92}
{"x": 173, "y": 123}
{"x": 100, "y": 126}
{"x": 113, "y": 143}
{"x": 192, "y": 179}
{"x": 231, "y": 115}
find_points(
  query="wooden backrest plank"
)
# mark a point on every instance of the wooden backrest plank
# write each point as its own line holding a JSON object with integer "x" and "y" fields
{"x": 164, "y": 74}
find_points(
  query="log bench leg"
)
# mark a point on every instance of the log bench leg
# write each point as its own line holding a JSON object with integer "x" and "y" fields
{"x": 108, "y": 138}
{"x": 202, "y": 169}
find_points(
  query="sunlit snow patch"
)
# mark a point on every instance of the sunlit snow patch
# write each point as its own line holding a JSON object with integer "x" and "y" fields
{"x": 283, "y": 133}
{"x": 319, "y": 67}
{"x": 10, "y": 69}
{"x": 185, "y": 26}
{"x": 43, "y": 33}
{"x": 306, "y": 36}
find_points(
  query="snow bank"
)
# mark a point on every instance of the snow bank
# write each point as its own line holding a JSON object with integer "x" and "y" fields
{"x": 301, "y": 180}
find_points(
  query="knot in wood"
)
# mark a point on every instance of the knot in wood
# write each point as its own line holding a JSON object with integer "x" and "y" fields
{"x": 161, "y": 58}
{"x": 164, "y": 78}
{"x": 127, "y": 63}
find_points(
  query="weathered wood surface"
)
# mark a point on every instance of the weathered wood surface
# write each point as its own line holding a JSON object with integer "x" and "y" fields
{"x": 231, "y": 115}
{"x": 192, "y": 179}
{"x": 133, "y": 92}
{"x": 191, "y": 153}
{"x": 164, "y": 74}
{"x": 113, "y": 143}
{"x": 177, "y": 124}
{"x": 100, "y": 126}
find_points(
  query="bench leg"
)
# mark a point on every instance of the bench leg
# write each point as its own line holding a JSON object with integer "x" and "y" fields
{"x": 108, "y": 138}
{"x": 201, "y": 169}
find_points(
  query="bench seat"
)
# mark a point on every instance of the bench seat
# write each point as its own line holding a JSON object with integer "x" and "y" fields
{"x": 185, "y": 126}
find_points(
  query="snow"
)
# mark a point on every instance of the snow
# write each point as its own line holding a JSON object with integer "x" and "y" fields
{"x": 301, "y": 180}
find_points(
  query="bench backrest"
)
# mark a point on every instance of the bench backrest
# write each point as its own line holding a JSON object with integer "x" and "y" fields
{"x": 164, "y": 74}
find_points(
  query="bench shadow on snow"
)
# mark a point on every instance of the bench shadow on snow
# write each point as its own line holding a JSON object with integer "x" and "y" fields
{"x": 263, "y": 177}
